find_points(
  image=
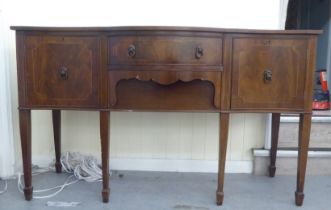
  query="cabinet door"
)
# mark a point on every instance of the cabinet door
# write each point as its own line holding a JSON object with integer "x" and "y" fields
{"x": 268, "y": 73}
{"x": 62, "y": 71}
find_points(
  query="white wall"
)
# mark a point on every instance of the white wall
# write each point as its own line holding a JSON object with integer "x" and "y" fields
{"x": 149, "y": 141}
{"x": 6, "y": 134}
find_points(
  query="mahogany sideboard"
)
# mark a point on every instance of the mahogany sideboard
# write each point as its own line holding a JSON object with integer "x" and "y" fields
{"x": 165, "y": 69}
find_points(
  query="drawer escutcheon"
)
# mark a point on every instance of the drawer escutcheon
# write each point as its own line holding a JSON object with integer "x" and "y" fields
{"x": 64, "y": 73}
{"x": 267, "y": 76}
{"x": 132, "y": 51}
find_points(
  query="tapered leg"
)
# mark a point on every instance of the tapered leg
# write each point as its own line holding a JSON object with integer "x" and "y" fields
{"x": 304, "y": 136}
{"x": 274, "y": 143}
{"x": 25, "y": 130}
{"x": 224, "y": 127}
{"x": 56, "y": 116}
{"x": 104, "y": 133}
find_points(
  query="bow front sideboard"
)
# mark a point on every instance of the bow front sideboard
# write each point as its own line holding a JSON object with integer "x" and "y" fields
{"x": 165, "y": 69}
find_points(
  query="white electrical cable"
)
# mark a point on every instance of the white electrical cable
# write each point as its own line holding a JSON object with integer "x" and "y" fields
{"x": 61, "y": 187}
{"x": 5, "y": 187}
{"x": 81, "y": 167}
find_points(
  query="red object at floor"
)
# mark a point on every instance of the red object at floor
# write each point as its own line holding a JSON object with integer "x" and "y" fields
{"x": 323, "y": 81}
{"x": 321, "y": 105}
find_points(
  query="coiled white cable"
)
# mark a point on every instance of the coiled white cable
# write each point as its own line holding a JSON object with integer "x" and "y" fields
{"x": 82, "y": 167}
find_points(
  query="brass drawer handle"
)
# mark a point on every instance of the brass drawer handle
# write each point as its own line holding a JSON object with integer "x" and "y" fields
{"x": 132, "y": 51}
{"x": 267, "y": 76}
{"x": 64, "y": 73}
{"x": 198, "y": 52}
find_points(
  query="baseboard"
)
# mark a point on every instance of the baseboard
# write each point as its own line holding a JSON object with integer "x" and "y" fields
{"x": 166, "y": 165}
{"x": 314, "y": 119}
{"x": 210, "y": 166}
{"x": 291, "y": 153}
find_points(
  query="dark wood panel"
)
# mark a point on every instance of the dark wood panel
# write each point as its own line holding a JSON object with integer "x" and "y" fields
{"x": 21, "y": 68}
{"x": 166, "y": 78}
{"x": 62, "y": 71}
{"x": 284, "y": 59}
{"x": 133, "y": 94}
{"x": 226, "y": 74}
{"x": 311, "y": 65}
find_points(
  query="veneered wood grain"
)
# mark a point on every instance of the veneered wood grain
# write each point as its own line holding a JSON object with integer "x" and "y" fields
{"x": 133, "y": 94}
{"x": 226, "y": 74}
{"x": 166, "y": 52}
{"x": 46, "y": 55}
{"x": 21, "y": 68}
{"x": 285, "y": 57}
{"x": 168, "y": 78}
{"x": 104, "y": 81}
{"x": 310, "y": 72}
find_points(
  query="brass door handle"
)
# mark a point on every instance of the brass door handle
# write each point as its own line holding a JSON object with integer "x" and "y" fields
{"x": 64, "y": 73}
{"x": 198, "y": 52}
{"x": 267, "y": 75}
{"x": 132, "y": 51}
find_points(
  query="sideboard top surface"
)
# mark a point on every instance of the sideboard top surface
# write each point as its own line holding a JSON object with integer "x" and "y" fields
{"x": 162, "y": 28}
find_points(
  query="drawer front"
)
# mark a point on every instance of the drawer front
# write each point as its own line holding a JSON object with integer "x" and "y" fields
{"x": 268, "y": 73}
{"x": 165, "y": 52}
{"x": 62, "y": 71}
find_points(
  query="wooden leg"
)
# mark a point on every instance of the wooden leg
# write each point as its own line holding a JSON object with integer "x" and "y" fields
{"x": 224, "y": 127}
{"x": 304, "y": 136}
{"x": 104, "y": 133}
{"x": 274, "y": 143}
{"x": 25, "y": 130}
{"x": 56, "y": 116}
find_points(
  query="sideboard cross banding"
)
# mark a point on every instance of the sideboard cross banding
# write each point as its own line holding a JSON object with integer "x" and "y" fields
{"x": 165, "y": 69}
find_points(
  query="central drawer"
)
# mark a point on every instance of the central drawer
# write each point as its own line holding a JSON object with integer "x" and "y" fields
{"x": 168, "y": 52}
